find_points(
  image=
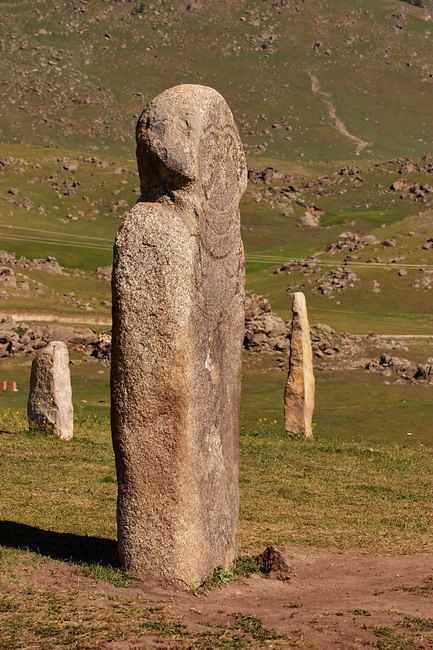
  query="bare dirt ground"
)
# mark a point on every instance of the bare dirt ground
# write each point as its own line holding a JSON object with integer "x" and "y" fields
{"x": 332, "y": 600}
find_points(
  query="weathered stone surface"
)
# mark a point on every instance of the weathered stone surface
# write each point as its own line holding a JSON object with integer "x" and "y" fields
{"x": 300, "y": 386}
{"x": 49, "y": 405}
{"x": 178, "y": 325}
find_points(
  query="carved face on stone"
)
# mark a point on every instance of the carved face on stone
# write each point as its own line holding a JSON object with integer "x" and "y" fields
{"x": 194, "y": 145}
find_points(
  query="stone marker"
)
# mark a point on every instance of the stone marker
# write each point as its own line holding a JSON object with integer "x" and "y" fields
{"x": 178, "y": 325}
{"x": 299, "y": 389}
{"x": 49, "y": 407}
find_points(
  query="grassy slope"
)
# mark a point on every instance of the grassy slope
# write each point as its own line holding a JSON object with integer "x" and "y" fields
{"x": 74, "y": 215}
{"x": 81, "y": 72}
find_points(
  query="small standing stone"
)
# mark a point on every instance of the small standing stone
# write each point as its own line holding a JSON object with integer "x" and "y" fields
{"x": 300, "y": 386}
{"x": 49, "y": 407}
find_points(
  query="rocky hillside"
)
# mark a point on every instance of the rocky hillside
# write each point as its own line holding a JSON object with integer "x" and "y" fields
{"x": 326, "y": 80}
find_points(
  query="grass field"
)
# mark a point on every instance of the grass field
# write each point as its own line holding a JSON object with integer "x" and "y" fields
{"x": 372, "y": 439}
{"x": 57, "y": 537}
{"x": 327, "y": 493}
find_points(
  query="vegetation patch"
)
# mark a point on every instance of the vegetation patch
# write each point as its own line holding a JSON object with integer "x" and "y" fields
{"x": 388, "y": 639}
{"x": 254, "y": 627}
{"x": 113, "y": 575}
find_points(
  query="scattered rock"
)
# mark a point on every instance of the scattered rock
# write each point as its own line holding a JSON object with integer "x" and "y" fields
{"x": 100, "y": 347}
{"x": 311, "y": 216}
{"x": 49, "y": 263}
{"x": 352, "y": 242}
{"x": 7, "y": 277}
{"x": 402, "y": 369}
{"x": 19, "y": 338}
{"x": 104, "y": 273}
{"x": 399, "y": 185}
{"x": 264, "y": 330}
{"x": 337, "y": 280}
{"x": 334, "y": 347}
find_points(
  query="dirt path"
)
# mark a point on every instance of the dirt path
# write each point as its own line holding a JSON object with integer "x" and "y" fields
{"x": 332, "y": 112}
{"x": 92, "y": 321}
{"x": 35, "y": 317}
{"x": 63, "y": 319}
{"x": 402, "y": 336}
{"x": 333, "y": 600}
{"x": 270, "y": 259}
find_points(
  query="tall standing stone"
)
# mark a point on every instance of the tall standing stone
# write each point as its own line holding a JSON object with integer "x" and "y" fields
{"x": 49, "y": 405}
{"x": 178, "y": 325}
{"x": 300, "y": 386}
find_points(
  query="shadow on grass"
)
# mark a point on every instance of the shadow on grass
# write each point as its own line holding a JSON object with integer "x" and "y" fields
{"x": 59, "y": 546}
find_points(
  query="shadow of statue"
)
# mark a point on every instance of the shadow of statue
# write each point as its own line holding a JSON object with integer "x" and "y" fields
{"x": 59, "y": 546}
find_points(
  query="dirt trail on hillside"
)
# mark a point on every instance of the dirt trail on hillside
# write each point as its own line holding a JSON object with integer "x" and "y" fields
{"x": 95, "y": 321}
{"x": 332, "y": 112}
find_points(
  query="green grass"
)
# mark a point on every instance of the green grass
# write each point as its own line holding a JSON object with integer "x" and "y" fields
{"x": 254, "y": 627}
{"x": 418, "y": 623}
{"x": 352, "y": 495}
{"x": 327, "y": 493}
{"x": 270, "y": 237}
{"x": 115, "y": 576}
{"x": 98, "y": 110}
{"x": 366, "y": 410}
{"x": 243, "y": 567}
{"x": 364, "y": 217}
{"x": 399, "y": 307}
{"x": 388, "y": 639}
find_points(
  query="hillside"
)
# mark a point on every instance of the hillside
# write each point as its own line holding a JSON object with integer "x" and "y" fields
{"x": 323, "y": 80}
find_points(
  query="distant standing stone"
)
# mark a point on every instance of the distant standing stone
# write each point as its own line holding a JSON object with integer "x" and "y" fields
{"x": 300, "y": 386}
{"x": 178, "y": 326}
{"x": 49, "y": 406}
